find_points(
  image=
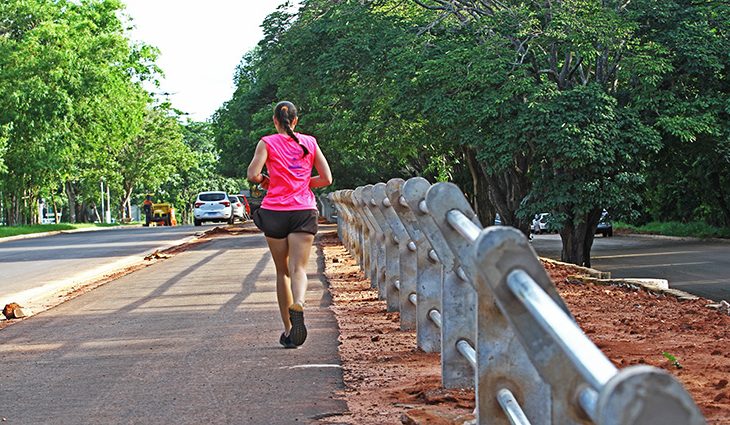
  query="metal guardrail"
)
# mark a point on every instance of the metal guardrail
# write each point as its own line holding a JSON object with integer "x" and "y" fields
{"x": 481, "y": 298}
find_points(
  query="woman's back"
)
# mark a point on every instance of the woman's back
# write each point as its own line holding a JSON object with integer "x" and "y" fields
{"x": 290, "y": 172}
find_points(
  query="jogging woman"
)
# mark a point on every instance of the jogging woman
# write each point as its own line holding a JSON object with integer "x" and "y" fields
{"x": 288, "y": 213}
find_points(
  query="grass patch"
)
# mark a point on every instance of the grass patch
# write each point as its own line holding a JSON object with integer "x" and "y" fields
{"x": 7, "y": 231}
{"x": 674, "y": 228}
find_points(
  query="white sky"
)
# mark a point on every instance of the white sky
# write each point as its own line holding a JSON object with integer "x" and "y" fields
{"x": 201, "y": 42}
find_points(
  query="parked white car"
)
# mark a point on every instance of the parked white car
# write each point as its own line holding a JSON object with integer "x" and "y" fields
{"x": 212, "y": 206}
{"x": 239, "y": 208}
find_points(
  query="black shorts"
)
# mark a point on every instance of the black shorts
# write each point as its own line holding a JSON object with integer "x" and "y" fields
{"x": 279, "y": 224}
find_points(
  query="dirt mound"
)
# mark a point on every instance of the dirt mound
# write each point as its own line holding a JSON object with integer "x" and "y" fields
{"x": 389, "y": 381}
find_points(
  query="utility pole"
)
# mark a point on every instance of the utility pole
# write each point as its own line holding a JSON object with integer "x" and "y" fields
{"x": 103, "y": 215}
{"x": 108, "y": 216}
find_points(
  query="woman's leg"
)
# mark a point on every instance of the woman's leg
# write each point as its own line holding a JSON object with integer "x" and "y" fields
{"x": 280, "y": 252}
{"x": 300, "y": 247}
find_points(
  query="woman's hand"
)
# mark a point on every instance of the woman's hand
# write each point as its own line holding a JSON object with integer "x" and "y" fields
{"x": 264, "y": 182}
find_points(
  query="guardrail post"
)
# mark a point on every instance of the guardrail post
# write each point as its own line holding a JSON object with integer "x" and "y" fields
{"x": 460, "y": 298}
{"x": 430, "y": 272}
{"x": 324, "y": 206}
{"x": 392, "y": 254}
{"x": 360, "y": 232}
{"x": 457, "y": 316}
{"x": 566, "y": 359}
{"x": 344, "y": 224}
{"x": 355, "y": 227}
{"x": 374, "y": 236}
{"x": 526, "y": 348}
{"x": 383, "y": 240}
{"x": 501, "y": 360}
{"x": 408, "y": 260}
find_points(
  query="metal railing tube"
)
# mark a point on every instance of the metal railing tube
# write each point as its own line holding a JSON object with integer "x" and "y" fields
{"x": 435, "y": 316}
{"x": 463, "y": 225}
{"x": 469, "y": 353}
{"x": 591, "y": 363}
{"x": 413, "y": 298}
{"x": 511, "y": 408}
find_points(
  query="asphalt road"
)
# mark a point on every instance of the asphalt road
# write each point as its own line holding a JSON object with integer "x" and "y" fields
{"x": 700, "y": 267}
{"x": 30, "y": 264}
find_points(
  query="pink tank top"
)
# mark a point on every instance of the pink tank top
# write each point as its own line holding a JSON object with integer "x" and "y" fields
{"x": 289, "y": 173}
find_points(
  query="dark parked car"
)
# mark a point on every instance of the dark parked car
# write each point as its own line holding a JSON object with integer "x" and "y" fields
{"x": 605, "y": 227}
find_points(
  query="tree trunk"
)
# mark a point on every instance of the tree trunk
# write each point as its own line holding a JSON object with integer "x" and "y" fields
{"x": 127, "y": 202}
{"x": 578, "y": 238}
{"x": 480, "y": 184}
{"x": 38, "y": 210}
{"x": 13, "y": 212}
{"x": 507, "y": 190}
{"x": 71, "y": 194}
{"x": 720, "y": 197}
{"x": 96, "y": 213}
{"x": 55, "y": 209}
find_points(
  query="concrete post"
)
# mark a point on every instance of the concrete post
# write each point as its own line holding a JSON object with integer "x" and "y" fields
{"x": 374, "y": 236}
{"x": 455, "y": 369}
{"x": 430, "y": 271}
{"x": 513, "y": 348}
{"x": 379, "y": 279}
{"x": 408, "y": 260}
{"x": 392, "y": 263}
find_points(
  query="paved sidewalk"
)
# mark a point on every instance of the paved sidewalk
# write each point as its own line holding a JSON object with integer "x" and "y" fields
{"x": 189, "y": 340}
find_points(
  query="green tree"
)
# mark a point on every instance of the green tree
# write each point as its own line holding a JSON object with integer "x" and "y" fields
{"x": 546, "y": 139}
{"x": 69, "y": 95}
{"x": 690, "y": 176}
{"x": 153, "y": 157}
{"x": 204, "y": 175}
{"x": 343, "y": 89}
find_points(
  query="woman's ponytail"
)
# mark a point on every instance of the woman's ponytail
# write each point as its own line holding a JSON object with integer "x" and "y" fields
{"x": 285, "y": 113}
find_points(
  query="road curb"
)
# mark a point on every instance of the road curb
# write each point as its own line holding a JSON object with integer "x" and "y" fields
{"x": 59, "y": 232}
{"x": 584, "y": 270}
{"x": 604, "y": 278}
{"x": 51, "y": 294}
{"x": 673, "y": 238}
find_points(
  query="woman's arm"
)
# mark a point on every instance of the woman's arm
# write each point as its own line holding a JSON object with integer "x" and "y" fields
{"x": 257, "y": 164}
{"x": 324, "y": 177}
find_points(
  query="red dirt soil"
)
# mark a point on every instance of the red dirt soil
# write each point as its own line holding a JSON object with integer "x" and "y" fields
{"x": 389, "y": 381}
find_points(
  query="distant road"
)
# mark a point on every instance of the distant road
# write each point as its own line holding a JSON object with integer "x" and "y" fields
{"x": 32, "y": 263}
{"x": 700, "y": 267}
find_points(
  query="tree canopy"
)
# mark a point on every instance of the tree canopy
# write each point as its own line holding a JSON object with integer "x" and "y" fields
{"x": 566, "y": 107}
{"x": 75, "y": 110}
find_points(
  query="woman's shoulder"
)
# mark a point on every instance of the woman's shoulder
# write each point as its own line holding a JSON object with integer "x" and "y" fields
{"x": 271, "y": 137}
{"x": 307, "y": 137}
